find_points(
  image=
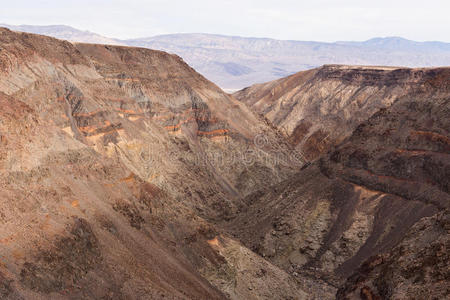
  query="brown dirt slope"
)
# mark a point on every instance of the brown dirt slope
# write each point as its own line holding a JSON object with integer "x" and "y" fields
{"x": 125, "y": 174}
{"x": 361, "y": 198}
{"x": 113, "y": 172}
{"x": 319, "y": 108}
{"x": 418, "y": 268}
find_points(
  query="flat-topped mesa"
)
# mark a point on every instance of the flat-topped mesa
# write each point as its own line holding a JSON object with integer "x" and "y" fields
{"x": 319, "y": 108}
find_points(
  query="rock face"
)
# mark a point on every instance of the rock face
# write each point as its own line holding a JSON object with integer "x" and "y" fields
{"x": 361, "y": 198}
{"x": 125, "y": 174}
{"x": 418, "y": 268}
{"x": 115, "y": 164}
{"x": 320, "y": 108}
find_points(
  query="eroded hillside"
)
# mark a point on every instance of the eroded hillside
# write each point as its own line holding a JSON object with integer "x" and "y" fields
{"x": 319, "y": 108}
{"x": 127, "y": 175}
{"x": 415, "y": 269}
{"x": 363, "y": 196}
{"x": 114, "y": 163}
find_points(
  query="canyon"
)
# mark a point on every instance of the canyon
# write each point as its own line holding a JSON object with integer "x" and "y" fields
{"x": 125, "y": 174}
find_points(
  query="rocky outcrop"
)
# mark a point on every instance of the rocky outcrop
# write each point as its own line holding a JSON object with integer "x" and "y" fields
{"x": 361, "y": 198}
{"x": 125, "y": 174}
{"x": 116, "y": 163}
{"x": 320, "y": 108}
{"x": 417, "y": 268}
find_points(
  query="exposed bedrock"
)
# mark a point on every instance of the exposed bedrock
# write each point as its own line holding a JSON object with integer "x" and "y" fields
{"x": 125, "y": 174}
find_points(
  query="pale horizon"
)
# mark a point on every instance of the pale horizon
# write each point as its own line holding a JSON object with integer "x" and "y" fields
{"x": 321, "y": 21}
{"x": 221, "y": 34}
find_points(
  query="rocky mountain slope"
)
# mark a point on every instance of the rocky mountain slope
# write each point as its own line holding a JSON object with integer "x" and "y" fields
{"x": 417, "y": 268}
{"x": 237, "y": 62}
{"x": 374, "y": 181}
{"x": 125, "y": 174}
{"x": 115, "y": 164}
{"x": 320, "y": 108}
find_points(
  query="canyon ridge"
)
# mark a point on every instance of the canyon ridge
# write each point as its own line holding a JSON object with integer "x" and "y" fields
{"x": 125, "y": 174}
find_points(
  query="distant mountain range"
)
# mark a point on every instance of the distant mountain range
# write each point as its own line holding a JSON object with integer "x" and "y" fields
{"x": 65, "y": 33}
{"x": 236, "y": 62}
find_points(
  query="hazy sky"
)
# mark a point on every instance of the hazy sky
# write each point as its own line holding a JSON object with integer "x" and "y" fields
{"x": 320, "y": 20}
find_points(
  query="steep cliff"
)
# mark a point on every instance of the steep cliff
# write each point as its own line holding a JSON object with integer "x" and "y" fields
{"x": 125, "y": 174}
{"x": 319, "y": 108}
{"x": 361, "y": 198}
{"x": 115, "y": 164}
{"x": 418, "y": 268}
